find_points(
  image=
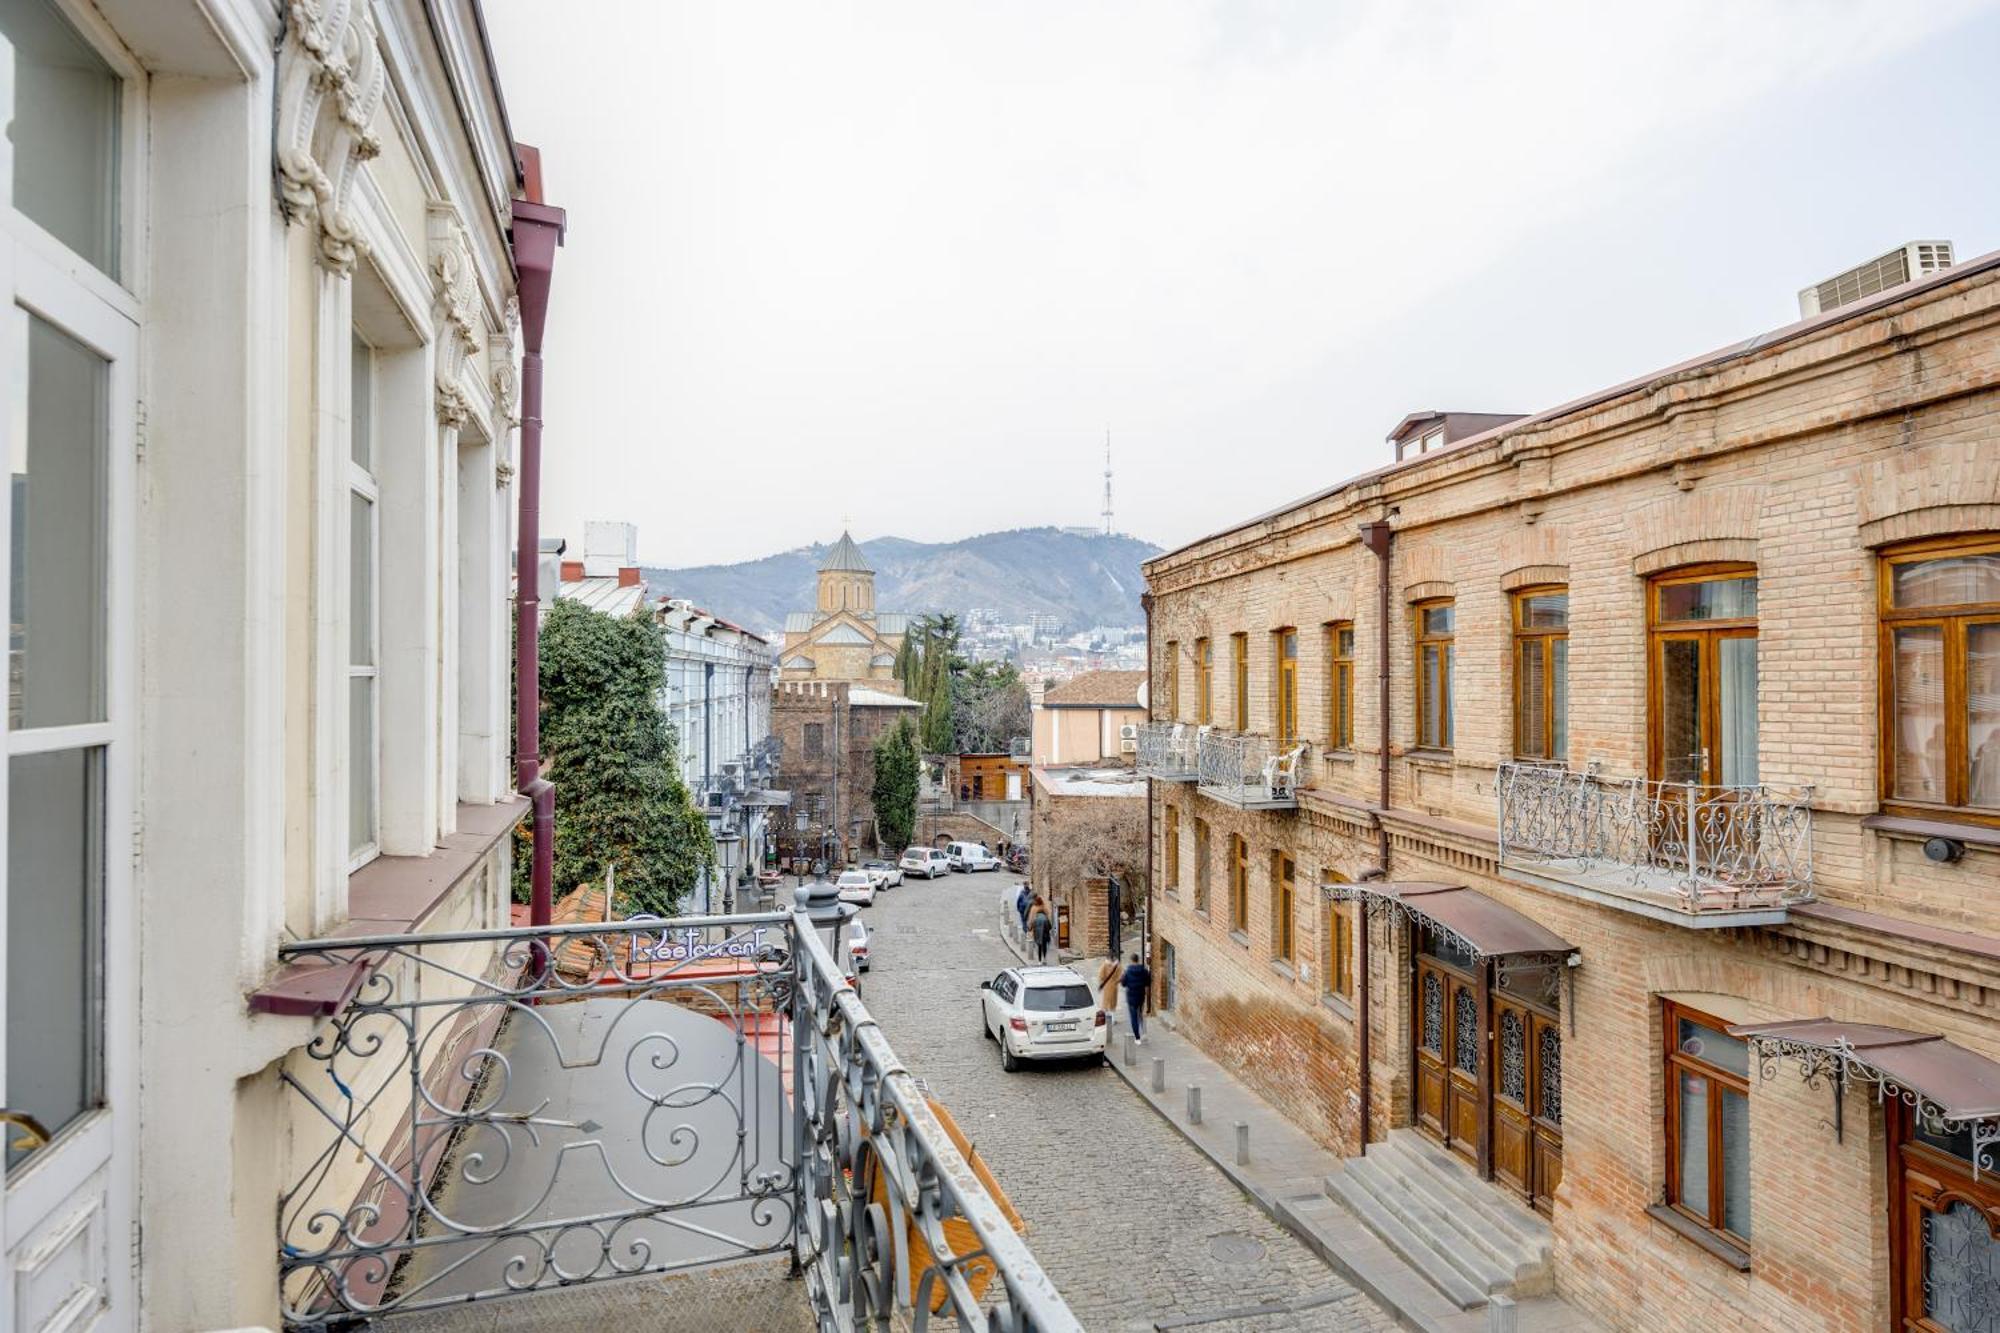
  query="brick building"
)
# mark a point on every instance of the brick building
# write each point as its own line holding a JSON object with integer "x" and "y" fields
{"x": 826, "y": 732}
{"x": 1555, "y": 775}
{"x": 1088, "y": 718}
{"x": 1083, "y": 821}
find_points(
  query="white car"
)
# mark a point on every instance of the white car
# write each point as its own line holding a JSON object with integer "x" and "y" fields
{"x": 926, "y": 861}
{"x": 887, "y": 876}
{"x": 857, "y": 944}
{"x": 1041, "y": 1013}
{"x": 856, "y": 886}
{"x": 971, "y": 857}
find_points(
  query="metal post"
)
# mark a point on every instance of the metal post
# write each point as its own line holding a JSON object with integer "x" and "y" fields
{"x": 1693, "y": 879}
{"x": 1242, "y": 1143}
{"x": 1194, "y": 1104}
{"x": 1131, "y": 1053}
{"x": 1159, "y": 1073}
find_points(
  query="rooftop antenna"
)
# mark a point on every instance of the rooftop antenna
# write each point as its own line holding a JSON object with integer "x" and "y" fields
{"x": 1107, "y": 482}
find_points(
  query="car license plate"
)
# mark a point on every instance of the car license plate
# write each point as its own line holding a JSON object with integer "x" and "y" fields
{"x": 1062, "y": 1027}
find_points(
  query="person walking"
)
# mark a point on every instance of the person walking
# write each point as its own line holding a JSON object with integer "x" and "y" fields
{"x": 1040, "y": 929}
{"x": 1107, "y": 985}
{"x": 1138, "y": 981}
{"x": 1021, "y": 904}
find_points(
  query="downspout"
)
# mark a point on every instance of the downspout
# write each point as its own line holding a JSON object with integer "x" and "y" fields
{"x": 537, "y": 231}
{"x": 1378, "y": 537}
{"x": 1146, "y": 931}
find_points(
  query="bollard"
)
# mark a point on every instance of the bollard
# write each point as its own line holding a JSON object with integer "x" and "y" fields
{"x": 1194, "y": 1103}
{"x": 1159, "y": 1073}
{"x": 1131, "y": 1055}
{"x": 1242, "y": 1143}
{"x": 1501, "y": 1316}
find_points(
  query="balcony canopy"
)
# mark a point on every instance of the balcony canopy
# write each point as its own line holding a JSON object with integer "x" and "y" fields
{"x": 1949, "y": 1083}
{"x": 1485, "y": 926}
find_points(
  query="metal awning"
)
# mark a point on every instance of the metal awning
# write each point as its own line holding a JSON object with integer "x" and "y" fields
{"x": 766, "y": 797}
{"x": 1947, "y": 1084}
{"x": 1483, "y": 926}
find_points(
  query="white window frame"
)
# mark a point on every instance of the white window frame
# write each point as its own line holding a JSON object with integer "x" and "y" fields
{"x": 362, "y": 482}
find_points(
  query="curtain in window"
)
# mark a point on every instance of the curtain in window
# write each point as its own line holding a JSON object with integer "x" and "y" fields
{"x": 1559, "y": 696}
{"x": 1735, "y": 1162}
{"x": 1737, "y": 667}
{"x": 1920, "y": 729}
{"x": 1982, "y": 714}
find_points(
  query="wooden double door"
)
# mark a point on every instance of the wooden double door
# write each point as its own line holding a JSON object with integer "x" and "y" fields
{"x": 1944, "y": 1226}
{"x": 1488, "y": 1082}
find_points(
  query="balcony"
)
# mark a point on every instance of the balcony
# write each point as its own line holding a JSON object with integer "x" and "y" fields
{"x": 1687, "y": 853}
{"x": 1167, "y": 750}
{"x": 1249, "y": 772}
{"x": 505, "y": 1114}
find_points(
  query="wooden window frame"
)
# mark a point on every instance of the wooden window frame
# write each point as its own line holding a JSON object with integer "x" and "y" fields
{"x": 1170, "y": 854}
{"x": 1660, "y": 629}
{"x": 1339, "y": 686}
{"x": 1952, "y": 623}
{"x": 1239, "y": 884}
{"x": 1204, "y": 864}
{"x": 1204, "y": 680}
{"x": 1172, "y": 681}
{"x": 1447, "y": 661}
{"x": 1284, "y": 901}
{"x": 1239, "y": 678}
{"x": 1719, "y": 1079}
{"x": 1285, "y": 679}
{"x": 1541, "y": 640}
{"x": 1340, "y": 949}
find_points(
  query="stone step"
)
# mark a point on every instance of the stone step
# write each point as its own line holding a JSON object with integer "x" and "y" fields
{"x": 1468, "y": 1200}
{"x": 1437, "y": 1268}
{"x": 1452, "y": 1224}
{"x": 1473, "y": 1260}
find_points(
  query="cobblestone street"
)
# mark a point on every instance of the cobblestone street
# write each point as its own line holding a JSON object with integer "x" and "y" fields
{"x": 1135, "y": 1227}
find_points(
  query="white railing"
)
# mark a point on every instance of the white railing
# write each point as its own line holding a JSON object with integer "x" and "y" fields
{"x": 1247, "y": 769}
{"x": 1705, "y": 848}
{"x": 1167, "y": 749}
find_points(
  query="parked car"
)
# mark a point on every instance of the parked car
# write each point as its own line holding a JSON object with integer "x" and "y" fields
{"x": 887, "y": 870}
{"x": 858, "y": 935}
{"x": 1041, "y": 1013}
{"x": 926, "y": 861}
{"x": 971, "y": 857}
{"x": 856, "y": 886}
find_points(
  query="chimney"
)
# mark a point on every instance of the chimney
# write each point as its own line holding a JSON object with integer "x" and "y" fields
{"x": 628, "y": 577}
{"x": 572, "y": 571}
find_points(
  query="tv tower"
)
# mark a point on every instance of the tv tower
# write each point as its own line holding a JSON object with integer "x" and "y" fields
{"x": 1107, "y": 483}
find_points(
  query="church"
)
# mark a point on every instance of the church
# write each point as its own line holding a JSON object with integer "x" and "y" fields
{"x": 845, "y": 637}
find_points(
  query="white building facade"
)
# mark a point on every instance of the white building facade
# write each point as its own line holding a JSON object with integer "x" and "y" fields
{"x": 260, "y": 397}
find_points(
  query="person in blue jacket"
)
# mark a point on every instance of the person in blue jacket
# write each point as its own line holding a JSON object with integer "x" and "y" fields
{"x": 1138, "y": 983}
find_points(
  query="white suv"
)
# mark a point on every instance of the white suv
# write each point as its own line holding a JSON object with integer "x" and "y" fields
{"x": 971, "y": 857}
{"x": 1041, "y": 1013}
{"x": 926, "y": 861}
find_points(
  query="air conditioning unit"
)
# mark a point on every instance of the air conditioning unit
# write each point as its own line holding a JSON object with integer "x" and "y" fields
{"x": 1128, "y": 745}
{"x": 1906, "y": 263}
{"x": 1129, "y": 732}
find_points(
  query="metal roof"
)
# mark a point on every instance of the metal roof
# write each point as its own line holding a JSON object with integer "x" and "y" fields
{"x": 863, "y": 697}
{"x": 1961, "y": 1085}
{"x": 604, "y": 594}
{"x": 1487, "y": 926}
{"x": 801, "y": 622}
{"x": 845, "y": 557}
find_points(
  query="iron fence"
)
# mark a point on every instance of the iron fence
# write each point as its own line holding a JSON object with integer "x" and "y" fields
{"x": 1167, "y": 749}
{"x": 500, "y": 1112}
{"x": 1247, "y": 769}
{"x": 1710, "y": 848}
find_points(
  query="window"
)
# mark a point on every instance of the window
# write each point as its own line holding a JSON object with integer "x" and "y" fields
{"x": 364, "y": 747}
{"x": 1940, "y": 605}
{"x": 1239, "y": 883}
{"x": 1239, "y": 678}
{"x": 1708, "y": 1122}
{"x": 1284, "y": 890}
{"x": 1703, "y": 673}
{"x": 1285, "y": 649}
{"x": 1170, "y": 682}
{"x": 65, "y": 132}
{"x": 1204, "y": 680}
{"x": 1434, "y": 662}
{"x": 1340, "y": 685}
{"x": 1170, "y": 835}
{"x": 1340, "y": 949}
{"x": 815, "y": 737}
{"x": 1201, "y": 866}
{"x": 1541, "y": 673}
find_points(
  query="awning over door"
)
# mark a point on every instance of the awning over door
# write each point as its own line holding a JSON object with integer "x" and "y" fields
{"x": 1946, "y": 1083}
{"x": 1486, "y": 927}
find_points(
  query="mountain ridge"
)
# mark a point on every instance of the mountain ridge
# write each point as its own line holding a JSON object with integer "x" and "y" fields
{"x": 1082, "y": 578}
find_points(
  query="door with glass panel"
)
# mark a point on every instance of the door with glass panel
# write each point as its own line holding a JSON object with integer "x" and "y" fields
{"x": 1944, "y": 1225}
{"x": 1704, "y": 678}
{"x": 68, "y": 344}
{"x": 1449, "y": 1042}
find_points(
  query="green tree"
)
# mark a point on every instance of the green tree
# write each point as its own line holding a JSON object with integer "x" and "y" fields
{"x": 897, "y": 765}
{"x": 938, "y": 734}
{"x": 609, "y": 749}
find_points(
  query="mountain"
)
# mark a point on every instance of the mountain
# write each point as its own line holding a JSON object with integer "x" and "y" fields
{"x": 1082, "y": 578}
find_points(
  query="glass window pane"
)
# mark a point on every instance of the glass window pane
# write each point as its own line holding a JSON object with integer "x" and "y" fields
{"x": 1445, "y": 700}
{"x": 65, "y": 131}
{"x": 55, "y": 953}
{"x": 361, "y": 764}
{"x": 1545, "y": 610}
{"x": 1982, "y": 715}
{"x": 1681, "y": 757}
{"x": 1559, "y": 694}
{"x": 1432, "y": 724}
{"x": 361, "y": 407}
{"x": 1956, "y": 581}
{"x": 1717, "y": 1048}
{"x": 1343, "y": 705}
{"x": 1288, "y": 642}
{"x": 1693, "y": 1147}
{"x": 1346, "y": 637}
{"x": 1737, "y": 669}
{"x": 58, "y": 590}
{"x": 1716, "y": 599}
{"x": 1437, "y": 620}
{"x": 1531, "y": 702}
{"x": 1919, "y": 717}
{"x": 1735, "y": 1162}
{"x": 361, "y": 581}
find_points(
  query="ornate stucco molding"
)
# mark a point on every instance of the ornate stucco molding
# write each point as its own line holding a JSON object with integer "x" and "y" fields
{"x": 330, "y": 83}
{"x": 455, "y": 308}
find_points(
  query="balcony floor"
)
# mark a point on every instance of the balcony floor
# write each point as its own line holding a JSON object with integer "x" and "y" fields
{"x": 745, "y": 1295}
{"x": 1646, "y": 892}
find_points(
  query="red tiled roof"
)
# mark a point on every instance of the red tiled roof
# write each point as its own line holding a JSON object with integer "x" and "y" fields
{"x": 1097, "y": 689}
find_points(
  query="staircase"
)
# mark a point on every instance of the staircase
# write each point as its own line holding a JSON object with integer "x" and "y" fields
{"x": 1465, "y": 1235}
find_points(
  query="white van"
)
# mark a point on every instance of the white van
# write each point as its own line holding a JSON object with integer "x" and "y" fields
{"x": 971, "y": 857}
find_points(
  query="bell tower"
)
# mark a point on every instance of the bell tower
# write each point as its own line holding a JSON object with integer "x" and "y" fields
{"x": 845, "y": 581}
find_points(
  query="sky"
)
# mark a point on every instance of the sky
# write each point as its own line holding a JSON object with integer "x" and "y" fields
{"x": 903, "y": 265}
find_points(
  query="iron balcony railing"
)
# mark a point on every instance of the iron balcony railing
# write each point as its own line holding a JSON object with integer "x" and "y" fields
{"x": 1167, "y": 750}
{"x": 1249, "y": 770}
{"x": 1697, "y": 848}
{"x": 501, "y": 1112}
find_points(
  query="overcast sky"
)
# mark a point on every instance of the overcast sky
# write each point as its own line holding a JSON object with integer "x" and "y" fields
{"x": 906, "y": 263}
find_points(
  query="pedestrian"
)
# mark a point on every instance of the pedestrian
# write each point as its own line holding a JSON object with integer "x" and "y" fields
{"x": 1041, "y": 928}
{"x": 1138, "y": 981}
{"x": 1021, "y": 905}
{"x": 1107, "y": 985}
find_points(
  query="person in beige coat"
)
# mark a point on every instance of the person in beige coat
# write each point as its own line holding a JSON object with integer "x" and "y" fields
{"x": 1107, "y": 986}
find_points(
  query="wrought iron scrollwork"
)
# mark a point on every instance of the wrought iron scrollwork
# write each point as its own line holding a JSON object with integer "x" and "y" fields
{"x": 1513, "y": 1058}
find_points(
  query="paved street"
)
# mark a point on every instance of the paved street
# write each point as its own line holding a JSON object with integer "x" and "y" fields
{"x": 1134, "y": 1225}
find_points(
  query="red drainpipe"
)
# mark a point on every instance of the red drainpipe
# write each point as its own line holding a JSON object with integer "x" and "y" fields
{"x": 537, "y": 231}
{"x": 1378, "y": 537}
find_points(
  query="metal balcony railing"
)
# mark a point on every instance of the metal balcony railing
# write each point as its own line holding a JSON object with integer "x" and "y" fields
{"x": 500, "y": 1112}
{"x": 1167, "y": 750}
{"x": 1249, "y": 771}
{"x": 1696, "y": 849}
